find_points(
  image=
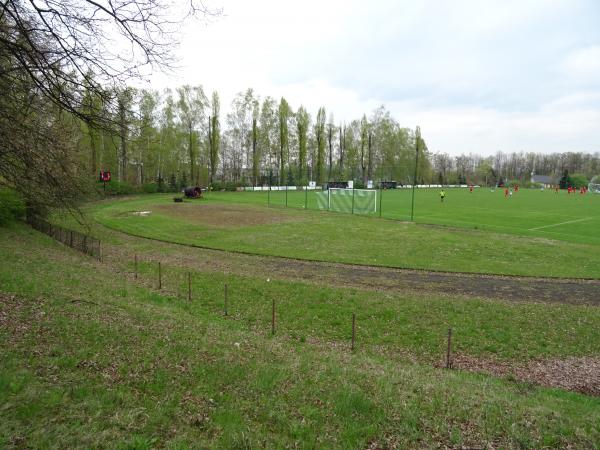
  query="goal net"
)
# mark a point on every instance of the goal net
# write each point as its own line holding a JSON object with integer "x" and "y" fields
{"x": 358, "y": 201}
{"x": 594, "y": 187}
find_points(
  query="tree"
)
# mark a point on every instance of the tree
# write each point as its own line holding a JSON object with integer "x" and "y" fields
{"x": 255, "y": 154}
{"x": 244, "y": 108}
{"x": 284, "y": 114}
{"x": 268, "y": 132}
{"x": 330, "y": 131}
{"x": 53, "y": 54}
{"x": 124, "y": 98}
{"x": 148, "y": 159}
{"x": 215, "y": 136}
{"x": 364, "y": 130}
{"x": 302, "y": 123}
{"x": 320, "y": 137}
{"x": 565, "y": 180}
{"x": 191, "y": 104}
{"x": 342, "y": 149}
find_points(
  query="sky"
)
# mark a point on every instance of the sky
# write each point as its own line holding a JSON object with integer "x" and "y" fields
{"x": 478, "y": 76}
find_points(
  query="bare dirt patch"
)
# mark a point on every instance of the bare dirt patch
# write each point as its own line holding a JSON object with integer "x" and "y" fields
{"x": 382, "y": 279}
{"x": 578, "y": 374}
{"x": 225, "y": 216}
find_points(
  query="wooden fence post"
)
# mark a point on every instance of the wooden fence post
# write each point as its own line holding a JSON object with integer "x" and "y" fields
{"x": 449, "y": 350}
{"x": 273, "y": 318}
{"x": 159, "y": 276}
{"x": 353, "y": 330}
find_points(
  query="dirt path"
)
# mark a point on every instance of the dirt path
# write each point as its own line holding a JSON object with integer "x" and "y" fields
{"x": 356, "y": 276}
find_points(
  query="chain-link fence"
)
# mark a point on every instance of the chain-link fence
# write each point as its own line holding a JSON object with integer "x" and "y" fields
{"x": 74, "y": 239}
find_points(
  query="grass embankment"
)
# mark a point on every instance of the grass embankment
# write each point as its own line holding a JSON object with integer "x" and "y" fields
{"x": 347, "y": 238}
{"x": 91, "y": 358}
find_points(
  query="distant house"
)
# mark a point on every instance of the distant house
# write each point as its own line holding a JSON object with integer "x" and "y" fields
{"x": 547, "y": 181}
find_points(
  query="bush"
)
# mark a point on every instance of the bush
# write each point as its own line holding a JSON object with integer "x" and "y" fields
{"x": 227, "y": 185}
{"x": 114, "y": 187}
{"x": 12, "y": 206}
{"x": 578, "y": 180}
{"x": 150, "y": 188}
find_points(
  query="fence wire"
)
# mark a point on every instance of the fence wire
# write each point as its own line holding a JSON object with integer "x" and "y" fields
{"x": 74, "y": 239}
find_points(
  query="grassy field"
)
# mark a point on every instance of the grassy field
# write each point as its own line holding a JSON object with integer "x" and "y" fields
{"x": 529, "y": 212}
{"x": 483, "y": 232}
{"x": 93, "y": 358}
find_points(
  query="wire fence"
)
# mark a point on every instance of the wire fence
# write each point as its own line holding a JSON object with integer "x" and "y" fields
{"x": 74, "y": 239}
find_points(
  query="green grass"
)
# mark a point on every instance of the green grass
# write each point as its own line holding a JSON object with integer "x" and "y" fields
{"x": 487, "y": 209}
{"x": 492, "y": 235}
{"x": 90, "y": 358}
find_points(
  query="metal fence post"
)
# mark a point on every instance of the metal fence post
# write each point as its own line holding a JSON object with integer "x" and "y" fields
{"x": 306, "y": 197}
{"x": 380, "y": 198}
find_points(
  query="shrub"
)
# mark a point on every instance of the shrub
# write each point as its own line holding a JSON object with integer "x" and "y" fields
{"x": 150, "y": 188}
{"x": 227, "y": 185}
{"x": 578, "y": 180}
{"x": 114, "y": 187}
{"x": 12, "y": 206}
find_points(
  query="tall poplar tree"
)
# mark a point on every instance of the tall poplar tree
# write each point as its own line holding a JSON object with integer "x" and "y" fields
{"x": 284, "y": 114}
{"x": 302, "y": 124}
{"x": 320, "y": 136}
{"x": 215, "y": 136}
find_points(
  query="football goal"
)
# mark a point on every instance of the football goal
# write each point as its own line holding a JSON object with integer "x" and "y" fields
{"x": 358, "y": 201}
{"x": 594, "y": 187}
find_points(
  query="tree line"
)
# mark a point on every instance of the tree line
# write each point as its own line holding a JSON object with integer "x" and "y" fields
{"x": 178, "y": 137}
{"x": 66, "y": 112}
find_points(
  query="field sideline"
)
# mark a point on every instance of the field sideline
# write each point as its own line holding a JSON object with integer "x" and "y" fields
{"x": 527, "y": 234}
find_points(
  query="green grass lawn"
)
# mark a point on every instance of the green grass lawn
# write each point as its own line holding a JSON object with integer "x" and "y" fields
{"x": 92, "y": 358}
{"x": 529, "y": 212}
{"x": 483, "y": 232}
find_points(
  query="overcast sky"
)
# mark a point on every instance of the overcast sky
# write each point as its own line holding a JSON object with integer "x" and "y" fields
{"x": 476, "y": 75}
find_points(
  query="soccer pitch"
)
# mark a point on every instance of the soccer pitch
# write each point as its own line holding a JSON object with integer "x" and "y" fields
{"x": 529, "y": 212}
{"x": 533, "y": 233}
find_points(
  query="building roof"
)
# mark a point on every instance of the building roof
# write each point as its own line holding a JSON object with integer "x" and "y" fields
{"x": 545, "y": 179}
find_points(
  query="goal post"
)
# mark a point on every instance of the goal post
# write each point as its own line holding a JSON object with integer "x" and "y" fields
{"x": 594, "y": 187}
{"x": 357, "y": 201}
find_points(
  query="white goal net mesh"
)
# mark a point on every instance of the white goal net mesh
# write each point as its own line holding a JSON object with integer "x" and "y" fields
{"x": 594, "y": 187}
{"x": 358, "y": 201}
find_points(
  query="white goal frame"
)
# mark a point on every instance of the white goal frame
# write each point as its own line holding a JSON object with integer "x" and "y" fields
{"x": 362, "y": 193}
{"x": 594, "y": 188}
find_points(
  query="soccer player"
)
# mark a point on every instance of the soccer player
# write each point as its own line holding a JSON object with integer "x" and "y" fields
{"x": 442, "y": 195}
{"x": 471, "y": 188}
{"x": 505, "y": 192}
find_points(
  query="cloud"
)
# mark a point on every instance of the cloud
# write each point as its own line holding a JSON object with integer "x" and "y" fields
{"x": 476, "y": 75}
